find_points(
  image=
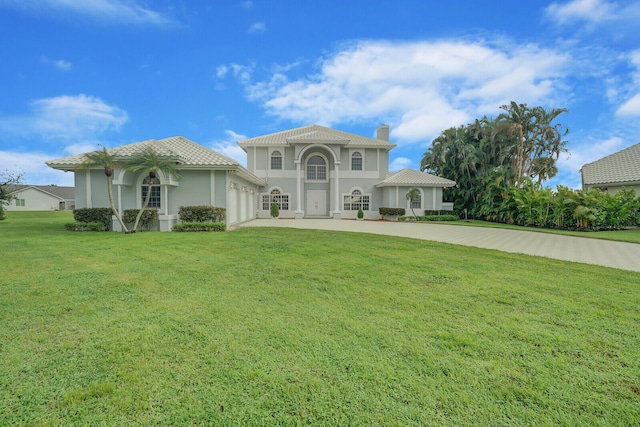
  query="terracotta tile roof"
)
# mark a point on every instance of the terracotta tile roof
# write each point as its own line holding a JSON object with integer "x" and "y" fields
{"x": 620, "y": 167}
{"x": 411, "y": 177}
{"x": 314, "y": 133}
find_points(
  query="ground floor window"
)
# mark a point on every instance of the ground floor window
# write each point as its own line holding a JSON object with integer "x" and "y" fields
{"x": 154, "y": 200}
{"x": 416, "y": 202}
{"x": 356, "y": 201}
{"x": 19, "y": 202}
{"x": 282, "y": 200}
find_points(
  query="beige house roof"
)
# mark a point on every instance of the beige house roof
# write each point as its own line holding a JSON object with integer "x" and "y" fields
{"x": 187, "y": 153}
{"x": 411, "y": 177}
{"x": 622, "y": 167}
{"x": 317, "y": 134}
{"x": 62, "y": 193}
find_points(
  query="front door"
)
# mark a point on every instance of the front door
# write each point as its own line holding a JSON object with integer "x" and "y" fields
{"x": 317, "y": 203}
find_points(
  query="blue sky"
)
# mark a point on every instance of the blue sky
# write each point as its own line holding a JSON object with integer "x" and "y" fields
{"x": 79, "y": 74}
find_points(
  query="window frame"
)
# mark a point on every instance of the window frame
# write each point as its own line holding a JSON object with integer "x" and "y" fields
{"x": 155, "y": 201}
{"x": 275, "y": 196}
{"x": 357, "y": 155}
{"x": 355, "y": 200}
{"x": 317, "y": 169}
{"x": 276, "y": 155}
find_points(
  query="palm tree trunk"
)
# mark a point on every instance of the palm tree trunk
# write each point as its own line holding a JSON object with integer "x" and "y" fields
{"x": 113, "y": 206}
{"x": 144, "y": 206}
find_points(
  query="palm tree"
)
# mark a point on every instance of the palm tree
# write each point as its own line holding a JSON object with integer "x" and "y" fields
{"x": 152, "y": 163}
{"x": 107, "y": 161}
{"x": 412, "y": 194}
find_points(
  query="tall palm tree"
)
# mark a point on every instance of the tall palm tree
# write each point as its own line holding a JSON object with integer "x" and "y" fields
{"x": 107, "y": 161}
{"x": 152, "y": 163}
{"x": 413, "y": 193}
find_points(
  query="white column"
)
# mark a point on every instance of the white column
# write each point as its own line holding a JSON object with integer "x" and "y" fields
{"x": 337, "y": 211}
{"x": 298, "y": 187}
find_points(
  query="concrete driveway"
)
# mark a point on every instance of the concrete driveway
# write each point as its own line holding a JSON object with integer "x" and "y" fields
{"x": 625, "y": 256}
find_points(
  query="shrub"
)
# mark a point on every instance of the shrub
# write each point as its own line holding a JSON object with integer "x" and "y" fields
{"x": 88, "y": 215}
{"x": 360, "y": 213}
{"x": 199, "y": 226}
{"x": 429, "y": 218}
{"x": 202, "y": 214}
{"x": 391, "y": 211}
{"x": 147, "y": 220}
{"x": 275, "y": 210}
{"x": 85, "y": 226}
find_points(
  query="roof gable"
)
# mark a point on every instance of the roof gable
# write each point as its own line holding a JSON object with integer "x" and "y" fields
{"x": 620, "y": 167}
{"x": 410, "y": 177}
{"x": 62, "y": 193}
{"x": 314, "y": 133}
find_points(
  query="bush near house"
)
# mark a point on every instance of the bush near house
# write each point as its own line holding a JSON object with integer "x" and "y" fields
{"x": 148, "y": 219}
{"x": 93, "y": 215}
{"x": 200, "y": 226}
{"x": 202, "y": 214}
{"x": 429, "y": 218}
{"x": 391, "y": 212}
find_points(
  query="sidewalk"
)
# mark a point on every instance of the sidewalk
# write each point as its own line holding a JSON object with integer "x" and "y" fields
{"x": 625, "y": 256}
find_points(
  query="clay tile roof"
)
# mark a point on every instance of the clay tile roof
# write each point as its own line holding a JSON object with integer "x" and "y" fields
{"x": 620, "y": 167}
{"x": 411, "y": 177}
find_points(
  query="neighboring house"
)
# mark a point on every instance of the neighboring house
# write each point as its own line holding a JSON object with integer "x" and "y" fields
{"x": 314, "y": 171}
{"x": 310, "y": 172}
{"x": 207, "y": 178}
{"x": 41, "y": 198}
{"x": 614, "y": 172}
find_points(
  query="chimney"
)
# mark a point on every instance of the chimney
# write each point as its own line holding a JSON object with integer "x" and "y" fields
{"x": 383, "y": 132}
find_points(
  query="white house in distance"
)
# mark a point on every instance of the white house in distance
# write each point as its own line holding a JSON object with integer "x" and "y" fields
{"x": 310, "y": 172}
{"x": 41, "y": 198}
{"x": 614, "y": 172}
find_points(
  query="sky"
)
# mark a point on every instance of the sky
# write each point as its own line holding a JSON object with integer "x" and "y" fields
{"x": 77, "y": 75}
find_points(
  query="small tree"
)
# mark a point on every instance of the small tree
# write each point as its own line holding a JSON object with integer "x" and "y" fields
{"x": 275, "y": 210}
{"x": 7, "y": 182}
{"x": 412, "y": 194}
{"x": 360, "y": 213}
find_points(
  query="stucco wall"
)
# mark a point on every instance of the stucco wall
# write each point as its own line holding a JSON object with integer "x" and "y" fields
{"x": 34, "y": 200}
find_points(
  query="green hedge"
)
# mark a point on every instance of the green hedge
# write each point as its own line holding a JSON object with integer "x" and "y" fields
{"x": 202, "y": 214}
{"x": 391, "y": 211}
{"x": 88, "y": 215}
{"x": 85, "y": 226}
{"x": 200, "y": 226}
{"x": 429, "y": 218}
{"x": 148, "y": 219}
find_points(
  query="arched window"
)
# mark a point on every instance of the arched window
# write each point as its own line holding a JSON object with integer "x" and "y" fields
{"x": 356, "y": 201}
{"x": 276, "y": 160}
{"x": 316, "y": 169}
{"x": 154, "y": 200}
{"x": 356, "y": 161}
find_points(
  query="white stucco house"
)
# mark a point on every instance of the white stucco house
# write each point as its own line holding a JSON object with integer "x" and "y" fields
{"x": 310, "y": 172}
{"x": 207, "y": 178}
{"x": 614, "y": 172}
{"x": 41, "y": 198}
{"x": 315, "y": 171}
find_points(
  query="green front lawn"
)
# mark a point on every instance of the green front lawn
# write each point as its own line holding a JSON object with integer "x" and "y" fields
{"x": 272, "y": 326}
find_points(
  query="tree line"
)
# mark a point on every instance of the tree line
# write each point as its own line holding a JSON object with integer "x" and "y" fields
{"x": 499, "y": 166}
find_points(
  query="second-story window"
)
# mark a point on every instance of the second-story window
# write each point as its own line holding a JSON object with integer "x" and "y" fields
{"x": 356, "y": 161}
{"x": 276, "y": 160}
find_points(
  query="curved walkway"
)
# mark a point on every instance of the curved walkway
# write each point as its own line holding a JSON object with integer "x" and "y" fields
{"x": 625, "y": 256}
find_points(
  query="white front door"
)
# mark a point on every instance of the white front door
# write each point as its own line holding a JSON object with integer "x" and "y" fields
{"x": 317, "y": 202}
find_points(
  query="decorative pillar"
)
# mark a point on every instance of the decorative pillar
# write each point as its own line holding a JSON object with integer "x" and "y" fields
{"x": 299, "y": 213}
{"x": 337, "y": 212}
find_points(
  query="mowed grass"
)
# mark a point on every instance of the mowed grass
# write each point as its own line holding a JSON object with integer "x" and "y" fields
{"x": 273, "y": 326}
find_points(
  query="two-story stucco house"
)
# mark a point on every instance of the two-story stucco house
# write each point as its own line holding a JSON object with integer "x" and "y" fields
{"x": 315, "y": 171}
{"x": 310, "y": 172}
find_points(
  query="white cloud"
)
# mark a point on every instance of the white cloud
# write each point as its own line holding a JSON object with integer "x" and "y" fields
{"x": 230, "y": 148}
{"x": 118, "y": 11}
{"x": 36, "y": 172}
{"x": 580, "y": 10}
{"x": 247, "y": 4}
{"x": 631, "y": 107}
{"x": 400, "y": 163}
{"x": 66, "y": 118}
{"x": 60, "y": 64}
{"x": 419, "y": 88}
{"x": 258, "y": 28}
